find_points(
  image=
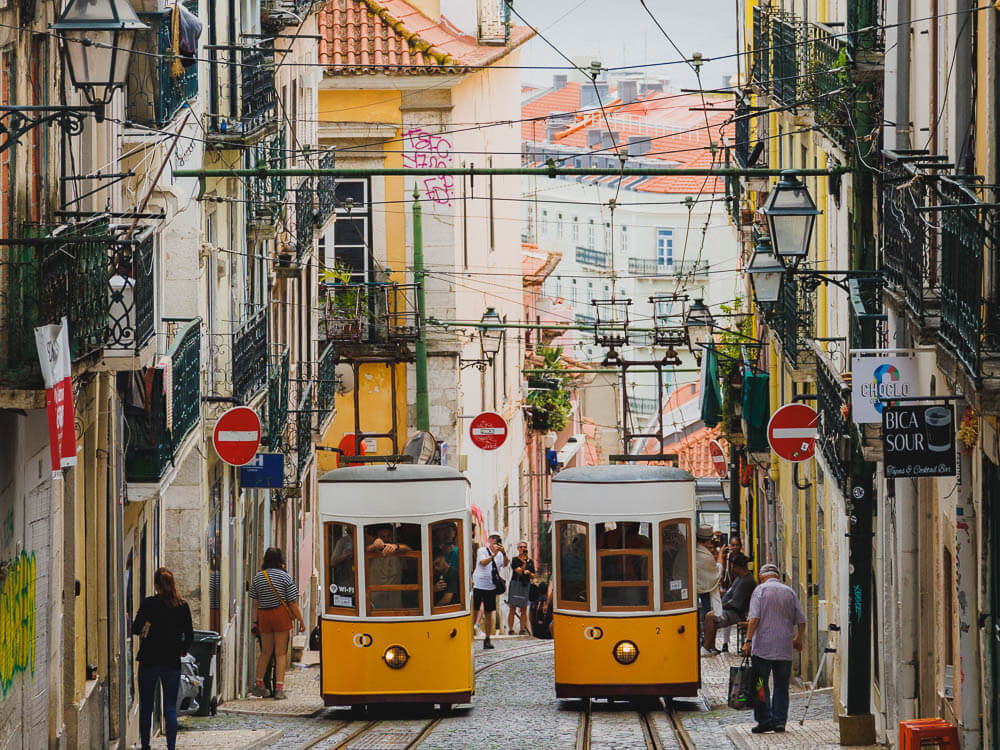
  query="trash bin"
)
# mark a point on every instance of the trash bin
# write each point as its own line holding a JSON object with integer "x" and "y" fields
{"x": 205, "y": 649}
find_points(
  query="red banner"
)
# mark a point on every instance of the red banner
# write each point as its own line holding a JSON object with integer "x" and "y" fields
{"x": 54, "y": 356}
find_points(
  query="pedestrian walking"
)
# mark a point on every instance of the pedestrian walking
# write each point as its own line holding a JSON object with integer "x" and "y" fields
{"x": 775, "y": 629}
{"x": 735, "y": 602}
{"x": 163, "y": 624}
{"x": 708, "y": 574}
{"x": 522, "y": 571}
{"x": 489, "y": 560}
{"x": 275, "y": 605}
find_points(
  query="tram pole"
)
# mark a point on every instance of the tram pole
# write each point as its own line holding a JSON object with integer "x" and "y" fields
{"x": 420, "y": 349}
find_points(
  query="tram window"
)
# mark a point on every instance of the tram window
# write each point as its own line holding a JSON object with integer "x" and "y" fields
{"x": 675, "y": 548}
{"x": 624, "y": 553}
{"x": 341, "y": 572}
{"x": 446, "y": 566}
{"x": 392, "y": 559}
{"x": 573, "y": 564}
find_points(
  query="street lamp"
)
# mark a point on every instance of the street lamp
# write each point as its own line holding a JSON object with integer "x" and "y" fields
{"x": 490, "y": 338}
{"x": 791, "y": 215}
{"x": 699, "y": 324}
{"x": 765, "y": 272}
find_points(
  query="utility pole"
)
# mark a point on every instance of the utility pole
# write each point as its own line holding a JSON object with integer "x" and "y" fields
{"x": 423, "y": 410}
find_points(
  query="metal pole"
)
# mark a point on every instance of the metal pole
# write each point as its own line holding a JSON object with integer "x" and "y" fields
{"x": 967, "y": 589}
{"x": 599, "y": 370}
{"x": 423, "y": 409}
{"x": 472, "y": 171}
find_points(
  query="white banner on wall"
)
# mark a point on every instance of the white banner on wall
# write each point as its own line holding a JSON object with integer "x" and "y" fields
{"x": 878, "y": 374}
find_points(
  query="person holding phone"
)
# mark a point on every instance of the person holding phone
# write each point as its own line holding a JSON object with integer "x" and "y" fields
{"x": 445, "y": 582}
{"x": 484, "y": 593}
{"x": 522, "y": 571}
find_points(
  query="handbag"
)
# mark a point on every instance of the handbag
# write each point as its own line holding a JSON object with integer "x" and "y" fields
{"x": 533, "y": 592}
{"x": 499, "y": 585}
{"x": 283, "y": 602}
{"x": 315, "y": 639}
{"x": 742, "y": 693}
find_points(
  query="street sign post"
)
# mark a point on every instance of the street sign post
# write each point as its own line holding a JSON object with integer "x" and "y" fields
{"x": 237, "y": 435}
{"x": 718, "y": 458}
{"x": 488, "y": 431}
{"x": 791, "y": 432}
{"x": 264, "y": 470}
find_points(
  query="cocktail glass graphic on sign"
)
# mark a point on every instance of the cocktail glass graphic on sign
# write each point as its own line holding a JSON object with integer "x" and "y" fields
{"x": 940, "y": 434}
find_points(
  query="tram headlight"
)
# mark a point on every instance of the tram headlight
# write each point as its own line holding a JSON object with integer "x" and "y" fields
{"x": 625, "y": 652}
{"x": 395, "y": 657}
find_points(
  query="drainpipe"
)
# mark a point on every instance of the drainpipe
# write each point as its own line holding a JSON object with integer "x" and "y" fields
{"x": 423, "y": 410}
{"x": 966, "y": 672}
{"x": 907, "y": 540}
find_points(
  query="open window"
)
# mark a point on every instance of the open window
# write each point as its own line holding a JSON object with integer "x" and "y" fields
{"x": 447, "y": 581}
{"x": 341, "y": 569}
{"x": 675, "y": 555}
{"x": 624, "y": 570}
{"x": 571, "y": 537}
{"x": 392, "y": 569}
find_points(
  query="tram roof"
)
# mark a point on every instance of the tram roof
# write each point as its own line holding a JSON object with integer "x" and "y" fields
{"x": 408, "y": 491}
{"x": 623, "y": 474}
{"x": 398, "y": 473}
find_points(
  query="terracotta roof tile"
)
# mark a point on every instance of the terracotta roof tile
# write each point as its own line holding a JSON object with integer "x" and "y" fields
{"x": 393, "y": 37}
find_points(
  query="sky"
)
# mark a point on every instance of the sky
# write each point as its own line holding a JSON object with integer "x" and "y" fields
{"x": 621, "y": 33}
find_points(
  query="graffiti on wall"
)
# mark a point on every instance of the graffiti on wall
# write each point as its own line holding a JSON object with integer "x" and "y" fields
{"x": 423, "y": 150}
{"x": 17, "y": 620}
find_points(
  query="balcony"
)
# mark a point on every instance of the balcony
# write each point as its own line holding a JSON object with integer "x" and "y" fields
{"x": 277, "y": 400}
{"x": 326, "y": 385}
{"x": 791, "y": 319}
{"x": 370, "y": 313}
{"x": 305, "y": 218}
{"x": 304, "y": 430}
{"x": 266, "y": 195}
{"x": 153, "y": 438}
{"x": 970, "y": 320}
{"x": 643, "y": 407}
{"x": 277, "y": 14}
{"x": 249, "y": 357}
{"x": 243, "y": 100}
{"x": 826, "y": 84}
{"x": 591, "y": 257}
{"x": 785, "y": 38}
{"x": 326, "y": 188}
{"x": 646, "y": 267}
{"x": 153, "y": 93}
{"x": 834, "y": 428}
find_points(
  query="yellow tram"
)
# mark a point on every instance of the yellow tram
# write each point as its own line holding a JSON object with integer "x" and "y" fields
{"x": 396, "y": 626}
{"x": 625, "y": 607}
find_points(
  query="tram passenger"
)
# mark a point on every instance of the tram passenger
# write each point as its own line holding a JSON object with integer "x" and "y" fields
{"x": 446, "y": 542}
{"x": 625, "y": 567}
{"x": 445, "y": 582}
{"x": 385, "y": 567}
{"x": 573, "y": 569}
{"x": 342, "y": 572}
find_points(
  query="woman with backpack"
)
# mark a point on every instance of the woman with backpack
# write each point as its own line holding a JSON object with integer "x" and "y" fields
{"x": 275, "y": 605}
{"x": 163, "y": 623}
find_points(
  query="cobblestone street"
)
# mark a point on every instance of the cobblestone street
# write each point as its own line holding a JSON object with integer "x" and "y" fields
{"x": 514, "y": 707}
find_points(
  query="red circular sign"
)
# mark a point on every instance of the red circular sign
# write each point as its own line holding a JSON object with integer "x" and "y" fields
{"x": 346, "y": 446}
{"x": 718, "y": 458}
{"x": 488, "y": 431}
{"x": 791, "y": 432}
{"x": 237, "y": 435}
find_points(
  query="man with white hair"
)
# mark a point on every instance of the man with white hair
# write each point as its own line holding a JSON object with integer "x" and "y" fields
{"x": 775, "y": 627}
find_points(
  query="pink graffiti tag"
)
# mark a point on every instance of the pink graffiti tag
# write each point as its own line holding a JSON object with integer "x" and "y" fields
{"x": 423, "y": 150}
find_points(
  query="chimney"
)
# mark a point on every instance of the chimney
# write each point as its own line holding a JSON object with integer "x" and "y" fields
{"x": 595, "y": 137}
{"x": 559, "y": 81}
{"x": 647, "y": 87}
{"x": 638, "y": 145}
{"x": 430, "y": 8}
{"x": 588, "y": 97}
{"x": 493, "y": 22}
{"x": 610, "y": 140}
{"x": 627, "y": 91}
{"x": 552, "y": 128}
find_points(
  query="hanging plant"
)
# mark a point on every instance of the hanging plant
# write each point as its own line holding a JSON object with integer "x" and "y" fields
{"x": 968, "y": 431}
{"x": 550, "y": 403}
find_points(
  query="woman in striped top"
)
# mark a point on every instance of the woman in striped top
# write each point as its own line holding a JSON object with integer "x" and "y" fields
{"x": 275, "y": 604}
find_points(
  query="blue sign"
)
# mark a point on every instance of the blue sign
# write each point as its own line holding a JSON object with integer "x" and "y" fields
{"x": 265, "y": 470}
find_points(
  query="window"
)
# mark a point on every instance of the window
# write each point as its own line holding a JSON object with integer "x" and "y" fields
{"x": 392, "y": 569}
{"x": 558, "y": 286}
{"x": 571, "y": 537}
{"x": 607, "y": 236}
{"x": 545, "y": 222}
{"x": 624, "y": 577}
{"x": 559, "y": 225}
{"x": 446, "y": 566}
{"x": 576, "y": 229}
{"x": 591, "y": 236}
{"x": 675, "y": 551}
{"x": 531, "y": 221}
{"x": 350, "y": 235}
{"x": 573, "y": 291}
{"x": 590, "y": 292}
{"x": 624, "y": 239}
{"x": 664, "y": 247}
{"x": 341, "y": 569}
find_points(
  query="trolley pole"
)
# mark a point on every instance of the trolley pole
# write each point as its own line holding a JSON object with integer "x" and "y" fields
{"x": 420, "y": 349}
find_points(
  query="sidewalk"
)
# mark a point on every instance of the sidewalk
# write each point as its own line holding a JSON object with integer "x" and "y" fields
{"x": 301, "y": 687}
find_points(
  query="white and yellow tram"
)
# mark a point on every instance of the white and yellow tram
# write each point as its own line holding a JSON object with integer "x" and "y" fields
{"x": 396, "y": 625}
{"x": 625, "y": 606}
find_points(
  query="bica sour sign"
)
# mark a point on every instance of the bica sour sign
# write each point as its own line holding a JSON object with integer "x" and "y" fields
{"x": 919, "y": 440}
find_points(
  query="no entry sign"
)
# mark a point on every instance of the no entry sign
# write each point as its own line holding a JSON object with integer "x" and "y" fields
{"x": 237, "y": 435}
{"x": 791, "y": 432}
{"x": 718, "y": 458}
{"x": 488, "y": 431}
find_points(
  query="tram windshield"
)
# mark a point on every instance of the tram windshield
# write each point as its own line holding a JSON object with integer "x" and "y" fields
{"x": 446, "y": 566}
{"x": 341, "y": 571}
{"x": 392, "y": 572}
{"x": 572, "y": 579}
{"x": 624, "y": 552}
{"x": 675, "y": 546}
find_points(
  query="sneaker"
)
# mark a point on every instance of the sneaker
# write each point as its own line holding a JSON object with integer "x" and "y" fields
{"x": 524, "y": 632}
{"x": 725, "y": 647}
{"x": 279, "y": 695}
{"x": 709, "y": 651}
{"x": 765, "y": 726}
{"x": 779, "y": 728}
{"x": 259, "y": 691}
{"x": 487, "y": 644}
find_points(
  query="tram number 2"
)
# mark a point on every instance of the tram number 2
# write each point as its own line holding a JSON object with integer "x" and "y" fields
{"x": 657, "y": 629}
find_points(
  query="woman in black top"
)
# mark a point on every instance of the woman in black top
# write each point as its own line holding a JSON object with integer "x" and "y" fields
{"x": 163, "y": 622}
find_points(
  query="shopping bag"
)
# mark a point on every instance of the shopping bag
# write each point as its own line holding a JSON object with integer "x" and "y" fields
{"x": 742, "y": 693}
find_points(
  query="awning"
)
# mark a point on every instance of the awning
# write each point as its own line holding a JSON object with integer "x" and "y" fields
{"x": 710, "y": 395}
{"x": 756, "y": 410}
{"x": 480, "y": 520}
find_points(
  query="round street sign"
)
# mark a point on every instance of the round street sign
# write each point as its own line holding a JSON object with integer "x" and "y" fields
{"x": 718, "y": 458}
{"x": 237, "y": 435}
{"x": 488, "y": 431}
{"x": 791, "y": 432}
{"x": 346, "y": 446}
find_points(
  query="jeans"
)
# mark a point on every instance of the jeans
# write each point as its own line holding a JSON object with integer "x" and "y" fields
{"x": 775, "y": 708}
{"x": 170, "y": 679}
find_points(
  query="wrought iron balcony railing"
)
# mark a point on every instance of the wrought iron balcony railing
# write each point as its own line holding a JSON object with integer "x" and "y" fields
{"x": 258, "y": 99}
{"x": 266, "y": 195}
{"x": 326, "y": 189}
{"x": 791, "y": 319}
{"x": 370, "y": 313}
{"x": 909, "y": 251}
{"x": 970, "y": 320}
{"x": 326, "y": 384}
{"x": 833, "y": 399}
{"x": 153, "y": 439}
{"x": 304, "y": 430}
{"x": 277, "y": 400}
{"x": 649, "y": 267}
{"x": 155, "y": 89}
{"x": 242, "y": 95}
{"x": 249, "y": 359}
{"x": 826, "y": 81}
{"x": 591, "y": 257}
{"x": 305, "y": 218}
{"x": 785, "y": 37}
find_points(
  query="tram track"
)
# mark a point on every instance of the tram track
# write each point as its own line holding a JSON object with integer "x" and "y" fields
{"x": 647, "y": 725}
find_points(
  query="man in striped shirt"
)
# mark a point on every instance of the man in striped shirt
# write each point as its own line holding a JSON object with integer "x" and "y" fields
{"x": 775, "y": 627}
